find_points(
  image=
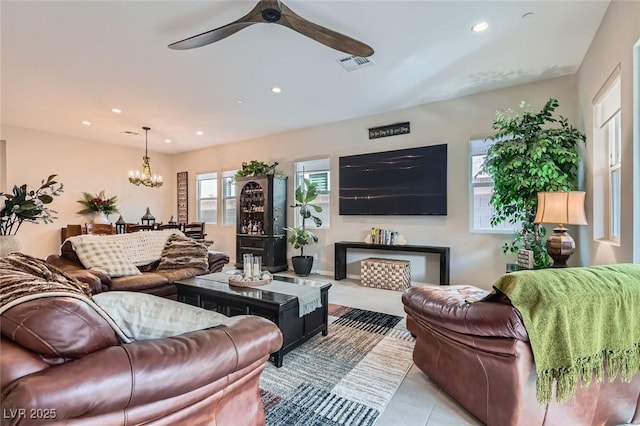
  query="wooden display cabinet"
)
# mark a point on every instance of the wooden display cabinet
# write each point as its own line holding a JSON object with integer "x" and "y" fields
{"x": 261, "y": 217}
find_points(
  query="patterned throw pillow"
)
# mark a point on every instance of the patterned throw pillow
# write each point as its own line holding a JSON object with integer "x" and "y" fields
{"x": 143, "y": 316}
{"x": 183, "y": 252}
{"x": 104, "y": 255}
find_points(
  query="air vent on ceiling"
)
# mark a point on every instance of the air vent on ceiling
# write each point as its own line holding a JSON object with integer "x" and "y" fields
{"x": 352, "y": 62}
{"x": 129, "y": 132}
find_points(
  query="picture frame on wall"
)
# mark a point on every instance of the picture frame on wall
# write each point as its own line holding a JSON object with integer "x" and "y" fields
{"x": 183, "y": 197}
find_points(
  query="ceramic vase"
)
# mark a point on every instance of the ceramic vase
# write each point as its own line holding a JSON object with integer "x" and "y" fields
{"x": 8, "y": 244}
{"x": 101, "y": 218}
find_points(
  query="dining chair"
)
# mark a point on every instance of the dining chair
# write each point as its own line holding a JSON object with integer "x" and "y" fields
{"x": 194, "y": 230}
{"x": 135, "y": 227}
{"x": 162, "y": 226}
{"x": 99, "y": 228}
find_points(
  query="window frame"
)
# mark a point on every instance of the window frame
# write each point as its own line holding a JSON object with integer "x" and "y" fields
{"x": 310, "y": 167}
{"x": 231, "y": 176}
{"x": 480, "y": 149}
{"x": 200, "y": 178}
{"x": 607, "y": 141}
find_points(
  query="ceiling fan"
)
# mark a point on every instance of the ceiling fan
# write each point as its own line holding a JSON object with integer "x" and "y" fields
{"x": 275, "y": 12}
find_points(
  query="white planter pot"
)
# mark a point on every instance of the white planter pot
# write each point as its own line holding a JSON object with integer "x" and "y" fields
{"x": 100, "y": 217}
{"x": 9, "y": 244}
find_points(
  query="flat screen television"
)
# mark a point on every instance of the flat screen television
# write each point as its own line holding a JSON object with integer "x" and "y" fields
{"x": 410, "y": 181}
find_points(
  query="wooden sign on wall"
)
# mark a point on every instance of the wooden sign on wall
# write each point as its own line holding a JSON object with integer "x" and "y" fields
{"x": 183, "y": 197}
{"x": 390, "y": 130}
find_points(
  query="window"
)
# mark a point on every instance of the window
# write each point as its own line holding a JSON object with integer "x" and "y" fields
{"x": 229, "y": 197}
{"x": 481, "y": 188}
{"x": 207, "y": 198}
{"x": 607, "y": 161}
{"x": 317, "y": 171}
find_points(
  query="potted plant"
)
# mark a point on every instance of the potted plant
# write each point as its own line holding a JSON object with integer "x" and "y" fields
{"x": 533, "y": 152}
{"x": 256, "y": 168}
{"x": 300, "y": 236}
{"x": 99, "y": 205}
{"x": 25, "y": 205}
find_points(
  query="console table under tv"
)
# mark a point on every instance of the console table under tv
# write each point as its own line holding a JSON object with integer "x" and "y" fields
{"x": 342, "y": 246}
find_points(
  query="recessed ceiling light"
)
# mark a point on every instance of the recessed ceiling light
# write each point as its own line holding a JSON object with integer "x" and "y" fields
{"x": 199, "y": 133}
{"x": 86, "y": 123}
{"x": 276, "y": 89}
{"x": 167, "y": 141}
{"x": 480, "y": 26}
{"x": 116, "y": 110}
{"x": 240, "y": 101}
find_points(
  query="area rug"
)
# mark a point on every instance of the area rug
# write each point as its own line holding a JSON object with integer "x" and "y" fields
{"x": 345, "y": 378}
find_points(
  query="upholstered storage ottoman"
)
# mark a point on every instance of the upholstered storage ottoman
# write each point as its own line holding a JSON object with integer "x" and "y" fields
{"x": 390, "y": 274}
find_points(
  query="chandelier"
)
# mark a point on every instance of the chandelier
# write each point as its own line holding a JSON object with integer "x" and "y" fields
{"x": 145, "y": 178}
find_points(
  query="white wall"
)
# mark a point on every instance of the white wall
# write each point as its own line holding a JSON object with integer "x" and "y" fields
{"x": 82, "y": 166}
{"x": 475, "y": 258}
{"x": 612, "y": 45}
{"x": 636, "y": 149}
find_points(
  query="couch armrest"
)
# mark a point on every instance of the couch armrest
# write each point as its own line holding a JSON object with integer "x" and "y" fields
{"x": 217, "y": 260}
{"x": 142, "y": 372}
{"x": 77, "y": 271}
{"x": 456, "y": 308}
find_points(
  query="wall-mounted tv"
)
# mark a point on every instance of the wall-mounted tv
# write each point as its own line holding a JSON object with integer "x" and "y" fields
{"x": 410, "y": 181}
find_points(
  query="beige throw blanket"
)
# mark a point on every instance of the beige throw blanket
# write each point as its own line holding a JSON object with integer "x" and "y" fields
{"x": 140, "y": 248}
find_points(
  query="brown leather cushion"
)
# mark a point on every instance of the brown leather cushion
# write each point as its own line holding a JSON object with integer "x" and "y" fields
{"x": 138, "y": 282}
{"x": 173, "y": 275}
{"x": 457, "y": 308}
{"x": 67, "y": 251}
{"x": 62, "y": 327}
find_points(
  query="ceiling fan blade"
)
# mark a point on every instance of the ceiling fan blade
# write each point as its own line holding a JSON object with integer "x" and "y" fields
{"x": 253, "y": 17}
{"x": 322, "y": 34}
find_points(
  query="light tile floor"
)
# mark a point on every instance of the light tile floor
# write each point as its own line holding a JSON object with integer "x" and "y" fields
{"x": 418, "y": 401}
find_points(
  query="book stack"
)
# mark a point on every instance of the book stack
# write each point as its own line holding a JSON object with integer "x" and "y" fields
{"x": 384, "y": 236}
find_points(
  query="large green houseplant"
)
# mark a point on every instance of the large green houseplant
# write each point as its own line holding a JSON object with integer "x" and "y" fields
{"x": 300, "y": 236}
{"x": 532, "y": 152}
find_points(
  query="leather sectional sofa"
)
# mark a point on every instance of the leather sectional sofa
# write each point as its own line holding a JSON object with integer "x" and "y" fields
{"x": 480, "y": 354}
{"x": 152, "y": 281}
{"x": 62, "y": 363}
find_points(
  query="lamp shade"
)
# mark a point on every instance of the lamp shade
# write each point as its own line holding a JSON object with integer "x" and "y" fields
{"x": 566, "y": 208}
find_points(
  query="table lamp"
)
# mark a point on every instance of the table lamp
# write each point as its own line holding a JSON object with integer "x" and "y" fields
{"x": 563, "y": 208}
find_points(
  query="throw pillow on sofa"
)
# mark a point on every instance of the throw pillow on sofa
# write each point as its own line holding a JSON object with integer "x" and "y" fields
{"x": 143, "y": 316}
{"x": 183, "y": 252}
{"x": 104, "y": 255}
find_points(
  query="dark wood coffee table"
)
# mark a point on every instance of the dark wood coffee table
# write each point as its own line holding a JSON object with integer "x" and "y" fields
{"x": 212, "y": 292}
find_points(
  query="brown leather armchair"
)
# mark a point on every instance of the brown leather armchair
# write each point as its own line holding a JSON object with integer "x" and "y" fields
{"x": 479, "y": 353}
{"x": 61, "y": 363}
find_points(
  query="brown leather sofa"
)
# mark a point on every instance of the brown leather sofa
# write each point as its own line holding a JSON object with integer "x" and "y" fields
{"x": 479, "y": 353}
{"x": 61, "y": 363}
{"x": 152, "y": 281}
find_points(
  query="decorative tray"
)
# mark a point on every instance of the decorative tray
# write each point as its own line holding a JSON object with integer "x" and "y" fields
{"x": 239, "y": 283}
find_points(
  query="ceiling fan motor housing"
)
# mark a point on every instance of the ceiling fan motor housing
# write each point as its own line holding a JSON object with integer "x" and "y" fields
{"x": 271, "y": 15}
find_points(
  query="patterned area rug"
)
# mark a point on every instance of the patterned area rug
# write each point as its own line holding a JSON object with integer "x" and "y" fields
{"x": 345, "y": 378}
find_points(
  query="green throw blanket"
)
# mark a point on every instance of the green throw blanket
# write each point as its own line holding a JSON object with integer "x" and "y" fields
{"x": 579, "y": 321}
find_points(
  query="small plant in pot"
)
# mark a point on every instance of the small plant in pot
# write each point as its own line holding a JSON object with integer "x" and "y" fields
{"x": 300, "y": 236}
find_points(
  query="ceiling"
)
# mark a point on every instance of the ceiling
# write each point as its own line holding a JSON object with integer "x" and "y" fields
{"x": 68, "y": 61}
